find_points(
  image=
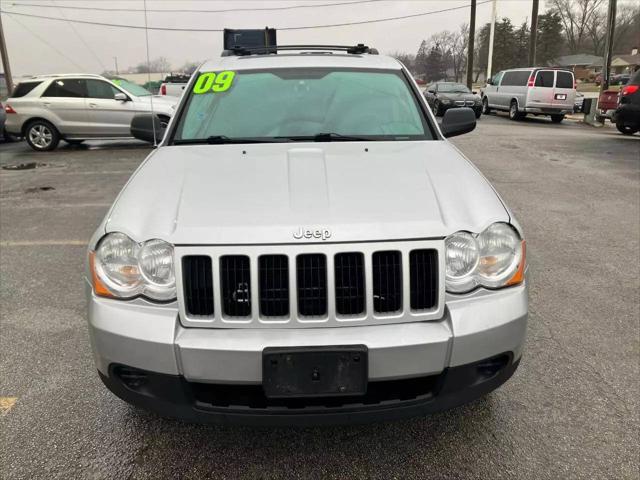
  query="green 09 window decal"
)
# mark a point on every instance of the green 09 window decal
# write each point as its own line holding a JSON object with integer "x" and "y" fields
{"x": 211, "y": 82}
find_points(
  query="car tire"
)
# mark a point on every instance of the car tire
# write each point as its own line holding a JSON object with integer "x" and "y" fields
{"x": 625, "y": 129}
{"x": 73, "y": 142}
{"x": 42, "y": 136}
{"x": 514, "y": 114}
{"x": 485, "y": 106}
{"x": 478, "y": 112}
{"x": 557, "y": 118}
{"x": 437, "y": 109}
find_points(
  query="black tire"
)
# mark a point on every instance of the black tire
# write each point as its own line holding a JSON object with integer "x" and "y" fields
{"x": 437, "y": 109}
{"x": 73, "y": 142}
{"x": 557, "y": 118}
{"x": 42, "y": 136}
{"x": 514, "y": 114}
{"x": 625, "y": 129}
{"x": 478, "y": 112}
{"x": 485, "y": 106}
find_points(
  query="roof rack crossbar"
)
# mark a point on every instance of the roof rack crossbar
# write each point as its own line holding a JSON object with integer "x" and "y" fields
{"x": 353, "y": 49}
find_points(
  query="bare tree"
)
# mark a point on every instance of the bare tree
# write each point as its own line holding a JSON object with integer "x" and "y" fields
{"x": 576, "y": 16}
{"x": 407, "y": 59}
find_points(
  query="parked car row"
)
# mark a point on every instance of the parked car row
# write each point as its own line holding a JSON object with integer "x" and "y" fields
{"x": 442, "y": 96}
{"x": 75, "y": 107}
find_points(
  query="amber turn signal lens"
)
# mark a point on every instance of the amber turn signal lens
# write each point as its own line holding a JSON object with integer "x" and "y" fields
{"x": 98, "y": 287}
{"x": 518, "y": 277}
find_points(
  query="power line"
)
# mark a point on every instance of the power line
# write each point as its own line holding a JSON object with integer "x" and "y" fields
{"x": 46, "y": 42}
{"x": 82, "y": 40}
{"x": 182, "y": 10}
{"x": 306, "y": 27}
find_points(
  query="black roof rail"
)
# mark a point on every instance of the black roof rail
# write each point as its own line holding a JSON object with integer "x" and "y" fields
{"x": 262, "y": 50}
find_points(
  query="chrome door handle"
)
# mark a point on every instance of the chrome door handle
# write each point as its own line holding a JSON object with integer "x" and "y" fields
{"x": 46, "y": 104}
{"x": 93, "y": 105}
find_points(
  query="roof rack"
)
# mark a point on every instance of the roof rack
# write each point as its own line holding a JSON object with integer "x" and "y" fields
{"x": 263, "y": 50}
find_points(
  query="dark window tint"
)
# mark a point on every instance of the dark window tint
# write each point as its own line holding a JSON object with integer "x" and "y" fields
{"x": 564, "y": 80}
{"x": 545, "y": 78}
{"x": 516, "y": 78}
{"x": 100, "y": 89}
{"x": 67, "y": 87}
{"x": 23, "y": 88}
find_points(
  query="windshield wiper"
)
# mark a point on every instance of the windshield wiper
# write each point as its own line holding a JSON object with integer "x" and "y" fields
{"x": 223, "y": 139}
{"x": 327, "y": 137}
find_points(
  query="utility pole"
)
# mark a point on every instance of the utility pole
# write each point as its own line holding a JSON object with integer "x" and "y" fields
{"x": 533, "y": 35}
{"x": 470, "y": 44}
{"x": 608, "y": 46}
{"x": 492, "y": 33}
{"x": 115, "y": 59}
{"x": 5, "y": 60}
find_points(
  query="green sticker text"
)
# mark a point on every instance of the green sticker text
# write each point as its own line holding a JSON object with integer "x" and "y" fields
{"x": 214, "y": 82}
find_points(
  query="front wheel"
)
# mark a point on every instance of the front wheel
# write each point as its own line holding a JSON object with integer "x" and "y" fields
{"x": 625, "y": 129}
{"x": 478, "y": 112}
{"x": 485, "y": 106}
{"x": 42, "y": 136}
{"x": 557, "y": 118}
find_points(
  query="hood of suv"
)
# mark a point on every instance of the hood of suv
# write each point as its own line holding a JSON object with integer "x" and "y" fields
{"x": 266, "y": 193}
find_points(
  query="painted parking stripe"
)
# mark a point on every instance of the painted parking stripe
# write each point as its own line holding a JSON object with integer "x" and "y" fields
{"x": 6, "y": 404}
{"x": 42, "y": 243}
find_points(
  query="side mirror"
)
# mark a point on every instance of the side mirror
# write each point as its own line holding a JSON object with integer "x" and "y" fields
{"x": 457, "y": 121}
{"x": 143, "y": 127}
{"x": 121, "y": 97}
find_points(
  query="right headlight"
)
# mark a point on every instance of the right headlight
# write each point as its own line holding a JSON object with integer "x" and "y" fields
{"x": 493, "y": 259}
{"x": 122, "y": 268}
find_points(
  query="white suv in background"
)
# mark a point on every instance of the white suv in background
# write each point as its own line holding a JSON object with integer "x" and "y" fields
{"x": 76, "y": 107}
{"x": 540, "y": 91}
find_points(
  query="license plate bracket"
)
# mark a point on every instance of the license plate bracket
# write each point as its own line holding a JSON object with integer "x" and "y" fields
{"x": 306, "y": 372}
{"x": 561, "y": 96}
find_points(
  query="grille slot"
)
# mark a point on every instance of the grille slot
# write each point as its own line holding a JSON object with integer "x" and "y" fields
{"x": 235, "y": 280}
{"x": 198, "y": 285}
{"x": 311, "y": 270}
{"x": 423, "y": 267}
{"x": 387, "y": 281}
{"x": 274, "y": 285}
{"x": 349, "y": 282}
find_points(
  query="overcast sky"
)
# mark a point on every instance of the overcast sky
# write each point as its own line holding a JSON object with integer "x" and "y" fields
{"x": 43, "y": 46}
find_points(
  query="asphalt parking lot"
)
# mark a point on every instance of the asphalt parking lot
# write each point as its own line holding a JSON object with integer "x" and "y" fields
{"x": 570, "y": 411}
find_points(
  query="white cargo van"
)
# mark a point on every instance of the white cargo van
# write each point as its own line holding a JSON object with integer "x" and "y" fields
{"x": 540, "y": 91}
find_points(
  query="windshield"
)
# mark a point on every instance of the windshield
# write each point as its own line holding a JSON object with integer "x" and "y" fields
{"x": 302, "y": 104}
{"x": 132, "y": 88}
{"x": 453, "y": 88}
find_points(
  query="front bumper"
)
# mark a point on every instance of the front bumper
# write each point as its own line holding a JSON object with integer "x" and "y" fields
{"x": 475, "y": 328}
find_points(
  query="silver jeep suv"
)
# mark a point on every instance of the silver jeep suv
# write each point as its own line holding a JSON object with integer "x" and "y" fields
{"x": 76, "y": 107}
{"x": 304, "y": 247}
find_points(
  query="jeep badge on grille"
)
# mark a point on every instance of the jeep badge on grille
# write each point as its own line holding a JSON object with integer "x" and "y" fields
{"x": 308, "y": 233}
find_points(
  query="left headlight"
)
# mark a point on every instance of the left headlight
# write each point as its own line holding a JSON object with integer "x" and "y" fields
{"x": 493, "y": 259}
{"x": 122, "y": 268}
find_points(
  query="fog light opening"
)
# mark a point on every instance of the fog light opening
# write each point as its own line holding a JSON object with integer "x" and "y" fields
{"x": 491, "y": 367}
{"x": 132, "y": 377}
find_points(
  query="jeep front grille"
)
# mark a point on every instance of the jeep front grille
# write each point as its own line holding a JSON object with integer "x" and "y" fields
{"x": 311, "y": 285}
{"x": 274, "y": 285}
{"x": 198, "y": 285}
{"x": 235, "y": 281}
{"x": 349, "y": 280}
